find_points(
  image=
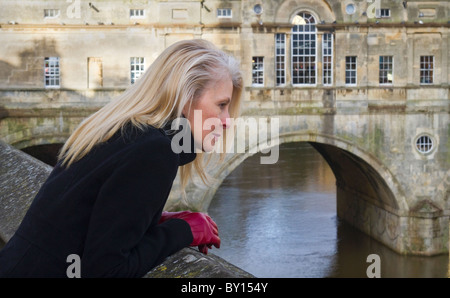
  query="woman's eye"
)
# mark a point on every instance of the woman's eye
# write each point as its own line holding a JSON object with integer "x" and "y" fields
{"x": 224, "y": 104}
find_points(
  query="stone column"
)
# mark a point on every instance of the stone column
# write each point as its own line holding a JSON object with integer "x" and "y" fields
{"x": 319, "y": 56}
{"x": 410, "y": 59}
{"x": 444, "y": 59}
{"x": 288, "y": 59}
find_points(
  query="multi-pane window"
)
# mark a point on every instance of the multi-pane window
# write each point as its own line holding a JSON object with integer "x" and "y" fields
{"x": 51, "y": 72}
{"x": 280, "y": 58}
{"x": 426, "y": 69}
{"x": 224, "y": 13}
{"x": 424, "y": 144}
{"x": 385, "y": 13}
{"x": 136, "y": 13}
{"x": 51, "y": 13}
{"x": 327, "y": 58}
{"x": 137, "y": 66}
{"x": 258, "y": 71}
{"x": 350, "y": 70}
{"x": 304, "y": 50}
{"x": 386, "y": 72}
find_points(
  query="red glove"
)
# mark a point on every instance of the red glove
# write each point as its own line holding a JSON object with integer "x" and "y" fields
{"x": 204, "y": 229}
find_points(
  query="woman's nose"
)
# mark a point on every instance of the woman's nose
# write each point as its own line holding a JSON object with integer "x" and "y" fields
{"x": 225, "y": 119}
{"x": 226, "y": 123}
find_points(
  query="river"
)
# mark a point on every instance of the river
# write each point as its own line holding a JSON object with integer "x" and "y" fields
{"x": 280, "y": 221}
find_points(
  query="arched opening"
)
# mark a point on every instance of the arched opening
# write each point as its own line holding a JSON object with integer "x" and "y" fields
{"x": 355, "y": 176}
{"x": 46, "y": 153}
{"x": 272, "y": 218}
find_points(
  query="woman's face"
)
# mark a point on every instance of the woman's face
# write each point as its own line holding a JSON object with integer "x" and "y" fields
{"x": 208, "y": 114}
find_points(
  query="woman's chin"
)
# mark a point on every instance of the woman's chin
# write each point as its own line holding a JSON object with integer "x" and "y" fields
{"x": 209, "y": 146}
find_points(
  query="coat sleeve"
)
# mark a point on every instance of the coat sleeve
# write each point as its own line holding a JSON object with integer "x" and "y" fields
{"x": 123, "y": 239}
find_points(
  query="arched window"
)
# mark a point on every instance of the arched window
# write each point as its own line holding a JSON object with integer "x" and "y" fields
{"x": 303, "y": 49}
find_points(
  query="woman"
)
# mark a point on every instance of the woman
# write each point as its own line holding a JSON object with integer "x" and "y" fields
{"x": 104, "y": 199}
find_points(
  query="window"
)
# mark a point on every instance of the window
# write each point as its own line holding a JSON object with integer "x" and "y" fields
{"x": 258, "y": 71}
{"x": 51, "y": 13}
{"x": 280, "y": 58}
{"x": 426, "y": 69}
{"x": 350, "y": 70}
{"x": 136, "y": 13}
{"x": 224, "y": 13}
{"x": 304, "y": 50}
{"x": 51, "y": 72}
{"x": 257, "y": 9}
{"x": 137, "y": 66}
{"x": 386, "y": 70}
{"x": 327, "y": 58}
{"x": 384, "y": 13}
{"x": 424, "y": 144}
{"x": 350, "y": 8}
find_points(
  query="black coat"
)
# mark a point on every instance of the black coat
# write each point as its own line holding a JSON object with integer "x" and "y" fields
{"x": 104, "y": 208}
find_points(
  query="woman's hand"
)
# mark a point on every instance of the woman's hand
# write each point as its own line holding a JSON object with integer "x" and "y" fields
{"x": 204, "y": 229}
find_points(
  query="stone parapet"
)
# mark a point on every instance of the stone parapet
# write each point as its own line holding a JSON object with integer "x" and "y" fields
{"x": 20, "y": 178}
{"x": 190, "y": 263}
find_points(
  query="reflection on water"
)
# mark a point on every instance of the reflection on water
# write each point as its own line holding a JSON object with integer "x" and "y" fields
{"x": 280, "y": 221}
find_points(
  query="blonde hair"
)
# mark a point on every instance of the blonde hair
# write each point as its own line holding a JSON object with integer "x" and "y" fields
{"x": 178, "y": 76}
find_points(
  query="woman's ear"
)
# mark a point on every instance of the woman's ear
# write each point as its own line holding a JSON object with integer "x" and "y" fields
{"x": 184, "y": 112}
{"x": 186, "y": 109}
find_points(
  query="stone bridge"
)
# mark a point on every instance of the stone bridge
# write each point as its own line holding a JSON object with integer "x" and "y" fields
{"x": 391, "y": 161}
{"x": 384, "y": 186}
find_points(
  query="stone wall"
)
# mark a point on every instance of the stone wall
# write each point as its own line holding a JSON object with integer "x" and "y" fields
{"x": 21, "y": 177}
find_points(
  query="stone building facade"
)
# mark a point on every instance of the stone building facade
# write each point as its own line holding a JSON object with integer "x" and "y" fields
{"x": 79, "y": 52}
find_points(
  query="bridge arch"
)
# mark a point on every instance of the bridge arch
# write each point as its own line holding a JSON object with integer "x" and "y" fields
{"x": 368, "y": 195}
{"x": 287, "y": 10}
{"x": 39, "y": 141}
{"x": 40, "y": 138}
{"x": 372, "y": 180}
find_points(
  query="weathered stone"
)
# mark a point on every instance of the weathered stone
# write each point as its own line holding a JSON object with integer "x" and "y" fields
{"x": 190, "y": 263}
{"x": 20, "y": 178}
